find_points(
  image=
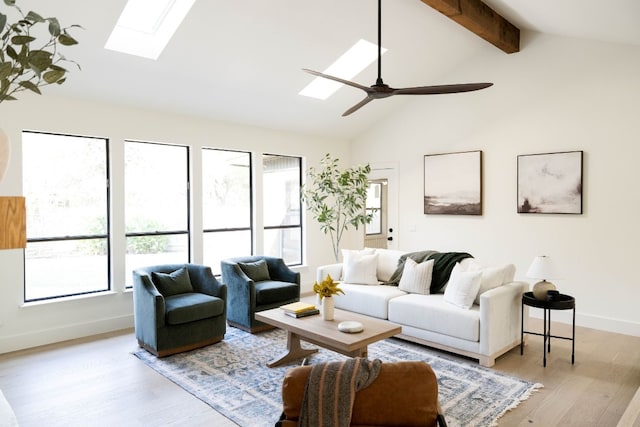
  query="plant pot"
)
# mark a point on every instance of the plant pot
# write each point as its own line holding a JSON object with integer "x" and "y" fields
{"x": 327, "y": 309}
{"x": 5, "y": 153}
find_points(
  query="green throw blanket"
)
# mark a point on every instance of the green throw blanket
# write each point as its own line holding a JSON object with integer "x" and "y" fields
{"x": 443, "y": 263}
{"x": 331, "y": 390}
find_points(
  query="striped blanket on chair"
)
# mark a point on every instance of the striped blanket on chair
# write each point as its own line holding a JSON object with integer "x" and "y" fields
{"x": 331, "y": 390}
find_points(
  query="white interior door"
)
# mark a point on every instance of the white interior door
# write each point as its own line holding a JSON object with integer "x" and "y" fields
{"x": 387, "y": 172}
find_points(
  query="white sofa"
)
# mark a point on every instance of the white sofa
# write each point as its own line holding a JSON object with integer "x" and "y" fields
{"x": 486, "y": 330}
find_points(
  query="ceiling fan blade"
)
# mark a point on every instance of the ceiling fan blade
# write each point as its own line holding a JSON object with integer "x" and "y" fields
{"x": 381, "y": 90}
{"x": 441, "y": 89}
{"x": 359, "y": 105}
{"x": 336, "y": 79}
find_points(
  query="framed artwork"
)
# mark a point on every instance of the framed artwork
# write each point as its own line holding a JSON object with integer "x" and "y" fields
{"x": 550, "y": 183}
{"x": 453, "y": 183}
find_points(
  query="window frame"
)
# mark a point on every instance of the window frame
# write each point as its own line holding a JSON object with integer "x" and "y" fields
{"x": 79, "y": 237}
{"x": 187, "y": 231}
{"x": 251, "y": 227}
{"x": 300, "y": 224}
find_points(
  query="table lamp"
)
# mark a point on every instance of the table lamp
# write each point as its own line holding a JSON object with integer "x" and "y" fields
{"x": 542, "y": 268}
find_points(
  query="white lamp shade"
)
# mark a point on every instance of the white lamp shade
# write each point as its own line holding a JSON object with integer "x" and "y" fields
{"x": 543, "y": 268}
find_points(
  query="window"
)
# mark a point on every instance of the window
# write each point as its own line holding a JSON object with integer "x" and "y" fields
{"x": 282, "y": 178}
{"x": 374, "y": 207}
{"x": 156, "y": 204}
{"x": 226, "y": 205}
{"x": 66, "y": 188}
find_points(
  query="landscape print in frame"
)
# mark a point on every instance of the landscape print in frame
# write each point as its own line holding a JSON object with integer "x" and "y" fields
{"x": 453, "y": 183}
{"x": 550, "y": 183}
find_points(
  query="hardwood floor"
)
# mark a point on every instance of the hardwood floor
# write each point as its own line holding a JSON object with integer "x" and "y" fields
{"x": 97, "y": 382}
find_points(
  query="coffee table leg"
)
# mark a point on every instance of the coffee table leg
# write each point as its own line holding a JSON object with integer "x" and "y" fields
{"x": 364, "y": 352}
{"x": 294, "y": 351}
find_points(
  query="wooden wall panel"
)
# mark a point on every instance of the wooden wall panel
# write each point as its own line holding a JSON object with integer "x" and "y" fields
{"x": 13, "y": 223}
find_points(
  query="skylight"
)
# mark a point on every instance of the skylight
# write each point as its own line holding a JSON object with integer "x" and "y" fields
{"x": 350, "y": 64}
{"x": 146, "y": 26}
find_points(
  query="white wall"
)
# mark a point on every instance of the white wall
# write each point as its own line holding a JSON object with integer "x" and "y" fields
{"x": 557, "y": 94}
{"x": 23, "y": 326}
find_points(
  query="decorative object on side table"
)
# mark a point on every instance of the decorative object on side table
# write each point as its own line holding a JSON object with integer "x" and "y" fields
{"x": 326, "y": 289}
{"x": 542, "y": 268}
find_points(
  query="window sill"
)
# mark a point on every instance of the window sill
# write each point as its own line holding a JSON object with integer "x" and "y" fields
{"x": 66, "y": 299}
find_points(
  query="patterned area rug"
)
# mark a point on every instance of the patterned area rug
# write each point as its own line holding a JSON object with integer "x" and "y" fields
{"x": 232, "y": 377}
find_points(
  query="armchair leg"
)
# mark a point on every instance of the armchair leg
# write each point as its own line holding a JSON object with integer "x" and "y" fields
{"x": 440, "y": 418}
{"x": 170, "y": 351}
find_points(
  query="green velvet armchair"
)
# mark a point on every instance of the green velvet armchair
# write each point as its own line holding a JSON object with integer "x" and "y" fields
{"x": 178, "y": 307}
{"x": 257, "y": 283}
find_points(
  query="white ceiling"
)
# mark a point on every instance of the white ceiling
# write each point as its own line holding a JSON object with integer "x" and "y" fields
{"x": 240, "y": 60}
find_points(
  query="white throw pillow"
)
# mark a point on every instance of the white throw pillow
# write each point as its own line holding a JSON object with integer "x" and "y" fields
{"x": 365, "y": 251}
{"x": 359, "y": 269}
{"x": 463, "y": 287}
{"x": 416, "y": 278}
{"x": 492, "y": 277}
{"x": 387, "y": 262}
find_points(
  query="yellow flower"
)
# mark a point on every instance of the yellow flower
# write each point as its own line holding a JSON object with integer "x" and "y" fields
{"x": 327, "y": 287}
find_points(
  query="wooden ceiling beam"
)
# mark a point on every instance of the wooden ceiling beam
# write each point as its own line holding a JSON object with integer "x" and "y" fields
{"x": 480, "y": 19}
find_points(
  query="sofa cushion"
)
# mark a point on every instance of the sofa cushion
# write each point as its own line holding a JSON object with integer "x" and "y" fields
{"x": 364, "y": 251}
{"x": 416, "y": 277}
{"x": 463, "y": 287}
{"x": 174, "y": 283}
{"x": 432, "y": 313}
{"x": 189, "y": 307}
{"x": 256, "y": 271}
{"x": 360, "y": 268}
{"x": 492, "y": 277}
{"x": 387, "y": 263}
{"x": 370, "y": 300}
{"x": 273, "y": 291}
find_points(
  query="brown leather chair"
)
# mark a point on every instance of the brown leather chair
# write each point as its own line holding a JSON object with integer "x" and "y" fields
{"x": 404, "y": 394}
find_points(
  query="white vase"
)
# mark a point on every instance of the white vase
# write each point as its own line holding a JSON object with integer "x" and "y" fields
{"x": 327, "y": 309}
{"x": 5, "y": 153}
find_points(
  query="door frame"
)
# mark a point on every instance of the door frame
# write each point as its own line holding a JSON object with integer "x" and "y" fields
{"x": 389, "y": 171}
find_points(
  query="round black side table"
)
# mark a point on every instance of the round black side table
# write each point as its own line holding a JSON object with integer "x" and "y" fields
{"x": 559, "y": 302}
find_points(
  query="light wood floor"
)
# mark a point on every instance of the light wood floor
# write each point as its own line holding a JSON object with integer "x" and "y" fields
{"x": 97, "y": 382}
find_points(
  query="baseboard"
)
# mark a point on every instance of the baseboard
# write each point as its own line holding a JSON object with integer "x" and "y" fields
{"x": 601, "y": 323}
{"x": 63, "y": 333}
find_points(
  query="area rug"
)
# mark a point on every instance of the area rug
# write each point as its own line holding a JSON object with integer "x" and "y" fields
{"x": 232, "y": 377}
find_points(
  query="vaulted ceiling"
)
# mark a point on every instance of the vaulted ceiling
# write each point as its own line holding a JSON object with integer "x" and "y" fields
{"x": 240, "y": 60}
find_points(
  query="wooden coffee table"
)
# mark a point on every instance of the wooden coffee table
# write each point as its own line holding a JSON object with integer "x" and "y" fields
{"x": 325, "y": 333}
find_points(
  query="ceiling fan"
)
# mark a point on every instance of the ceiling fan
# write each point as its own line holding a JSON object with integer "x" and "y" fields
{"x": 382, "y": 90}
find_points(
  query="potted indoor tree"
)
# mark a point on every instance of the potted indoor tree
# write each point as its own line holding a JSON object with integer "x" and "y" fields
{"x": 29, "y": 55}
{"x": 29, "y": 58}
{"x": 337, "y": 198}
